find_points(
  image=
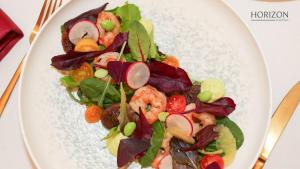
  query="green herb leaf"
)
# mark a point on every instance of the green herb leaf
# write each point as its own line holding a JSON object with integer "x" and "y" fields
{"x": 128, "y": 13}
{"x": 235, "y": 130}
{"x": 112, "y": 132}
{"x": 156, "y": 141}
{"x": 139, "y": 41}
{"x": 93, "y": 89}
{"x": 68, "y": 82}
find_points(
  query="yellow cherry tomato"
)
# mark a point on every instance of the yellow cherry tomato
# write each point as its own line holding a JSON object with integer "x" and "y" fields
{"x": 86, "y": 45}
{"x": 85, "y": 71}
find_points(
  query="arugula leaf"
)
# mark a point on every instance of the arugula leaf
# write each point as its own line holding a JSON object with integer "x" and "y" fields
{"x": 139, "y": 41}
{"x": 93, "y": 88}
{"x": 156, "y": 141}
{"x": 128, "y": 13}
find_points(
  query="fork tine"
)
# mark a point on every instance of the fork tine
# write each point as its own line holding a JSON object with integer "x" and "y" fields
{"x": 54, "y": 7}
{"x": 47, "y": 13}
{"x": 60, "y": 3}
{"x": 42, "y": 14}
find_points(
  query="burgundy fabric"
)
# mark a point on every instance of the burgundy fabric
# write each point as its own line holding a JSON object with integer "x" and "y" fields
{"x": 10, "y": 34}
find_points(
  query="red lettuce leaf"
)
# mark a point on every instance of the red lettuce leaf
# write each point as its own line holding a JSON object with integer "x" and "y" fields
{"x": 73, "y": 60}
{"x": 205, "y": 136}
{"x": 89, "y": 15}
{"x": 135, "y": 146}
{"x": 213, "y": 165}
{"x": 220, "y": 108}
{"x": 167, "y": 78}
{"x": 117, "y": 70}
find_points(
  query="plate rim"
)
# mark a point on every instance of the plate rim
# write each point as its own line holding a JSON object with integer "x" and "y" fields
{"x": 226, "y": 3}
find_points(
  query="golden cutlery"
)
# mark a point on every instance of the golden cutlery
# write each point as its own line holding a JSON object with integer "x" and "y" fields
{"x": 47, "y": 9}
{"x": 279, "y": 121}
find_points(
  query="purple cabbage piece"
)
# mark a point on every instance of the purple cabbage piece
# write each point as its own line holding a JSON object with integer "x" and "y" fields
{"x": 117, "y": 70}
{"x": 73, "y": 60}
{"x": 220, "y": 108}
{"x": 135, "y": 146}
{"x": 90, "y": 15}
{"x": 167, "y": 78}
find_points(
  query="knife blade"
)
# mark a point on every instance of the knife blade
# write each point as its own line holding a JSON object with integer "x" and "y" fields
{"x": 279, "y": 121}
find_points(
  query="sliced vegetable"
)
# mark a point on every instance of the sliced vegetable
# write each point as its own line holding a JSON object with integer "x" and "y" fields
{"x": 227, "y": 143}
{"x": 180, "y": 135}
{"x": 84, "y": 72}
{"x": 210, "y": 159}
{"x": 83, "y": 29}
{"x": 166, "y": 163}
{"x": 167, "y": 78}
{"x": 215, "y": 86}
{"x": 180, "y": 122}
{"x": 68, "y": 82}
{"x": 129, "y": 128}
{"x": 86, "y": 45}
{"x": 101, "y": 73}
{"x": 234, "y": 129}
{"x": 89, "y": 15}
{"x": 176, "y": 104}
{"x": 156, "y": 141}
{"x": 137, "y": 75}
{"x": 93, "y": 114}
{"x": 113, "y": 142}
{"x": 117, "y": 70}
{"x": 204, "y": 96}
{"x": 73, "y": 60}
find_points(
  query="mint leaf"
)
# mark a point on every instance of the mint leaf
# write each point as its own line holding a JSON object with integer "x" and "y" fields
{"x": 139, "y": 41}
{"x": 128, "y": 14}
{"x": 156, "y": 141}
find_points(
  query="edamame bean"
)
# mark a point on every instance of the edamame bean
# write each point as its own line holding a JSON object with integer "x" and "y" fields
{"x": 129, "y": 128}
{"x": 108, "y": 25}
{"x": 204, "y": 96}
{"x": 101, "y": 73}
{"x": 162, "y": 116}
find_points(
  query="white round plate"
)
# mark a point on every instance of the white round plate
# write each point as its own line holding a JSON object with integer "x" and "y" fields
{"x": 209, "y": 39}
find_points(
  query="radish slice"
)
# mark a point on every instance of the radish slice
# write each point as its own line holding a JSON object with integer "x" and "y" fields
{"x": 137, "y": 75}
{"x": 166, "y": 163}
{"x": 102, "y": 60}
{"x": 83, "y": 29}
{"x": 181, "y": 123}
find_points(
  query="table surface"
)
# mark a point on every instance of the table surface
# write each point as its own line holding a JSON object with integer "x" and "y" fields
{"x": 279, "y": 41}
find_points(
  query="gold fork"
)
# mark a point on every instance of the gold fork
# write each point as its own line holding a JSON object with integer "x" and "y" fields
{"x": 47, "y": 9}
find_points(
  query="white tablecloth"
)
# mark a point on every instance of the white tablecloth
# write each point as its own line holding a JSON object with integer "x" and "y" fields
{"x": 279, "y": 41}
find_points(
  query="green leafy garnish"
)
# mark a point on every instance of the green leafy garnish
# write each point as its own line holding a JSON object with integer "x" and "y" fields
{"x": 112, "y": 132}
{"x": 93, "y": 89}
{"x": 68, "y": 82}
{"x": 235, "y": 130}
{"x": 128, "y": 14}
{"x": 139, "y": 41}
{"x": 156, "y": 141}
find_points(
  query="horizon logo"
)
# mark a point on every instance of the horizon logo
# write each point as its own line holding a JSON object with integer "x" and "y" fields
{"x": 269, "y": 15}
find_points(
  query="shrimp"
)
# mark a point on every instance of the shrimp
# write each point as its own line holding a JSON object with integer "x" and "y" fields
{"x": 148, "y": 97}
{"x": 107, "y": 38}
{"x": 205, "y": 118}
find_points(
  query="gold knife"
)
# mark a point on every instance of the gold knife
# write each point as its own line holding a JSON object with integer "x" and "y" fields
{"x": 279, "y": 121}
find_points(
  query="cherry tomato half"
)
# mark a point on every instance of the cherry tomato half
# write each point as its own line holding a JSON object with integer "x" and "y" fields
{"x": 209, "y": 159}
{"x": 176, "y": 104}
{"x": 85, "y": 71}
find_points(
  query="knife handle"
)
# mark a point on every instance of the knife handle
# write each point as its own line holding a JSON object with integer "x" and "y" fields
{"x": 260, "y": 163}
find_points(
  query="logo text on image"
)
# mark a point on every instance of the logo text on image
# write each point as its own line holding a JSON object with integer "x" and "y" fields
{"x": 270, "y": 15}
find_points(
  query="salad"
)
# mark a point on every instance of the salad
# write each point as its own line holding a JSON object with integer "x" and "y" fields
{"x": 154, "y": 113}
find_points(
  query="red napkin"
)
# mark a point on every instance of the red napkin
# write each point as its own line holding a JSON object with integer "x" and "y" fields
{"x": 10, "y": 34}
